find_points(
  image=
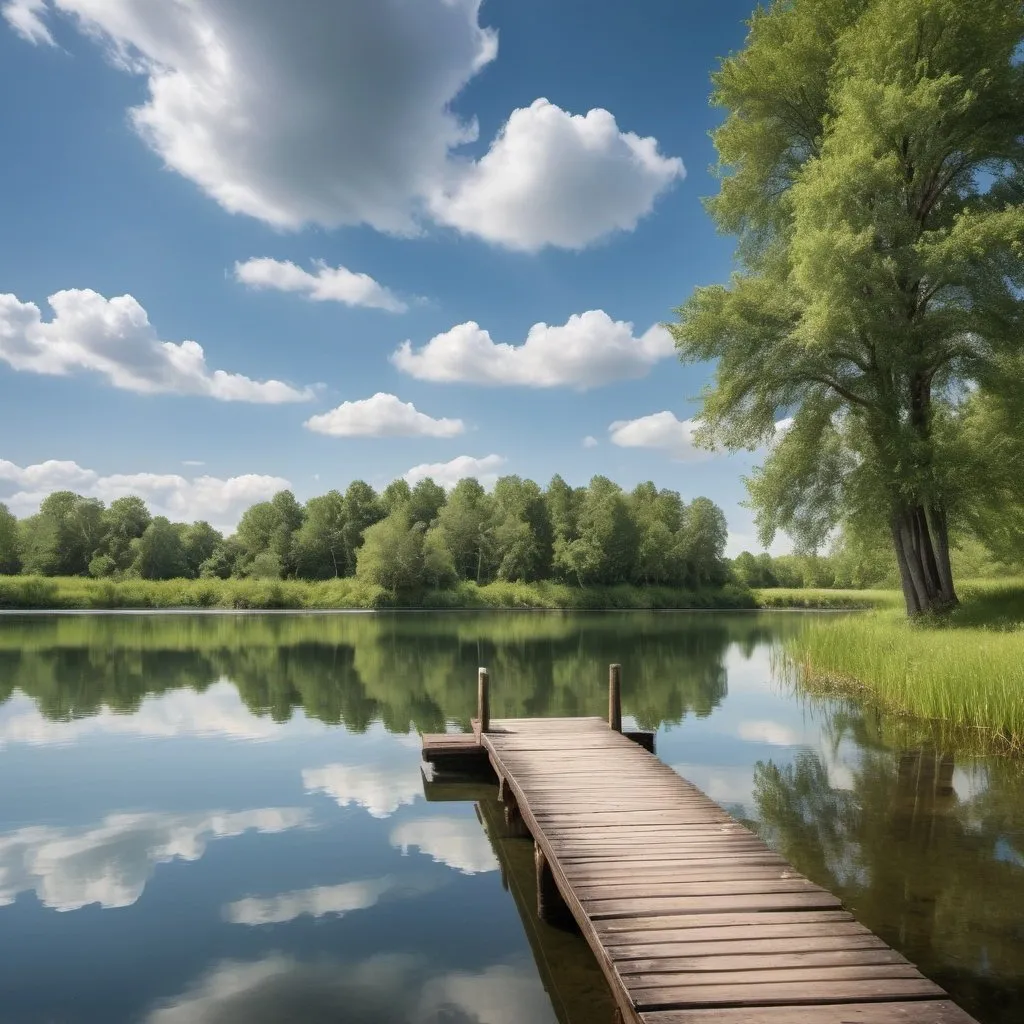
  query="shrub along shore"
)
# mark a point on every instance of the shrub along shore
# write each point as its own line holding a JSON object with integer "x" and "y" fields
{"x": 964, "y": 671}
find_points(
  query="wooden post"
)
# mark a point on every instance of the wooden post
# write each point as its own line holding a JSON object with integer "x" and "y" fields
{"x": 615, "y": 697}
{"x": 551, "y": 907}
{"x": 483, "y": 699}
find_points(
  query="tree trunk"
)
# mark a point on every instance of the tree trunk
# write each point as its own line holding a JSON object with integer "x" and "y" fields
{"x": 921, "y": 538}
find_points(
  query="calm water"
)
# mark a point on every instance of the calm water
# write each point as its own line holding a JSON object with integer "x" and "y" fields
{"x": 222, "y": 818}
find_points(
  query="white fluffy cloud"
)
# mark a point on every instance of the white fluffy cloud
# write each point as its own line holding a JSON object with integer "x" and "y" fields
{"x": 461, "y": 843}
{"x": 114, "y": 338}
{"x": 448, "y": 474}
{"x": 110, "y": 863}
{"x": 328, "y": 284}
{"x": 383, "y": 415}
{"x": 380, "y": 789}
{"x": 320, "y": 901}
{"x": 554, "y": 178}
{"x": 219, "y": 501}
{"x": 661, "y": 430}
{"x": 590, "y": 441}
{"x": 588, "y": 350}
{"x": 344, "y": 116}
{"x": 25, "y": 17}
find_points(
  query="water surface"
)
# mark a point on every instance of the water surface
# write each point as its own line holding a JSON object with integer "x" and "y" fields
{"x": 221, "y": 818}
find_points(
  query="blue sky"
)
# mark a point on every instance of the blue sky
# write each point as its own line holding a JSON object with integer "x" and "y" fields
{"x": 303, "y": 188}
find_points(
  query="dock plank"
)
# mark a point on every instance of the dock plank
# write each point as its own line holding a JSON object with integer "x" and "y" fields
{"x": 691, "y": 917}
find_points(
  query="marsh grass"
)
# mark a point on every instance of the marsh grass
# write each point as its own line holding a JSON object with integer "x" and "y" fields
{"x": 965, "y": 670}
{"x": 81, "y": 593}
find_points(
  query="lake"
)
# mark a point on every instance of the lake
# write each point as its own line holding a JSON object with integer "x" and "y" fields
{"x": 217, "y": 819}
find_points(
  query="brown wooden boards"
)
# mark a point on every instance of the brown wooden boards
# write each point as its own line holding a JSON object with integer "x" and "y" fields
{"x": 692, "y": 918}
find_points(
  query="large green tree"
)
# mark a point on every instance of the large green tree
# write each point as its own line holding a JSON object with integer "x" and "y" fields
{"x": 10, "y": 542}
{"x": 872, "y": 165}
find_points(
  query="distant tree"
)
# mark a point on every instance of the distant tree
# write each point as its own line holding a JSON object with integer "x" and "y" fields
{"x": 256, "y": 529}
{"x": 320, "y": 541}
{"x": 61, "y": 539}
{"x": 706, "y": 534}
{"x": 265, "y": 566}
{"x": 102, "y": 566}
{"x": 224, "y": 561}
{"x": 391, "y": 555}
{"x": 395, "y": 495}
{"x": 199, "y": 540}
{"x": 605, "y": 549}
{"x": 290, "y": 516}
{"x": 160, "y": 554}
{"x": 661, "y": 545}
{"x": 522, "y": 530}
{"x": 426, "y": 501}
{"x": 466, "y": 523}
{"x": 362, "y": 510}
{"x": 10, "y": 542}
{"x": 124, "y": 521}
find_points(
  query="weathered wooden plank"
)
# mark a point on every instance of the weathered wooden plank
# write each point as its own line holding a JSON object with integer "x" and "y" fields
{"x": 772, "y": 976}
{"x": 645, "y": 888}
{"x": 680, "y": 945}
{"x": 792, "y": 993}
{"x": 597, "y": 908}
{"x": 761, "y": 961}
{"x": 917, "y": 1012}
{"x": 801, "y": 918}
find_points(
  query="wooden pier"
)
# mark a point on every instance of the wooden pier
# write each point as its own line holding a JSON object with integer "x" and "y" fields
{"x": 691, "y": 917}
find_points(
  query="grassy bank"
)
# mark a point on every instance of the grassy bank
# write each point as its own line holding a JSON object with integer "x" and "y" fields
{"x": 965, "y": 671}
{"x": 821, "y": 598}
{"x": 77, "y": 592}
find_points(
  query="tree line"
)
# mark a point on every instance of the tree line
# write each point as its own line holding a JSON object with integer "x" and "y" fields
{"x": 404, "y": 538}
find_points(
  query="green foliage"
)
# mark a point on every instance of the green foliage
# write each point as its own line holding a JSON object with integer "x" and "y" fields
{"x": 159, "y": 552}
{"x": 872, "y": 166}
{"x": 124, "y": 521}
{"x": 320, "y": 551}
{"x": 10, "y": 542}
{"x": 391, "y": 555}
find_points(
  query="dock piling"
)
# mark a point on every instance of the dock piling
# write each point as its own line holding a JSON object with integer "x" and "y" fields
{"x": 615, "y": 697}
{"x": 483, "y": 699}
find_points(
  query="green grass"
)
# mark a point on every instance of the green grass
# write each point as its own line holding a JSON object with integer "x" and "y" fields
{"x": 810, "y": 597}
{"x": 965, "y": 671}
{"x": 77, "y": 592}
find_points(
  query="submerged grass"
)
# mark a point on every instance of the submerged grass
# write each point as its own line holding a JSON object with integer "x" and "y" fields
{"x": 965, "y": 670}
{"x": 78, "y": 592}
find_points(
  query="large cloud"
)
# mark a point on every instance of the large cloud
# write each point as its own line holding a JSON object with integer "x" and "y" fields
{"x": 588, "y": 350}
{"x": 110, "y": 863}
{"x": 383, "y": 415}
{"x": 461, "y": 843}
{"x": 553, "y": 178}
{"x": 220, "y": 501}
{"x": 114, "y": 338}
{"x": 448, "y": 474}
{"x": 328, "y": 284}
{"x": 342, "y": 115}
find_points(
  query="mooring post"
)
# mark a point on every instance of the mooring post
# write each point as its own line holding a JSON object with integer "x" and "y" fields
{"x": 615, "y": 697}
{"x": 483, "y": 699}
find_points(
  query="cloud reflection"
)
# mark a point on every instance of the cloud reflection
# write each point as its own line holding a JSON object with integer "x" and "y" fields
{"x": 111, "y": 863}
{"x": 458, "y": 842}
{"x": 380, "y": 789}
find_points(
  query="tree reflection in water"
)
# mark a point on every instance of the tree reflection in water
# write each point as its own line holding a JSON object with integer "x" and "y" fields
{"x": 934, "y": 868}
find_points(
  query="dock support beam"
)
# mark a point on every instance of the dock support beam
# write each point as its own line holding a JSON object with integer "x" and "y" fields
{"x": 615, "y": 697}
{"x": 551, "y": 907}
{"x": 483, "y": 699}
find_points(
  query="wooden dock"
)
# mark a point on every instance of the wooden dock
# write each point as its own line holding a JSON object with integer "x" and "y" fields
{"x": 691, "y": 917}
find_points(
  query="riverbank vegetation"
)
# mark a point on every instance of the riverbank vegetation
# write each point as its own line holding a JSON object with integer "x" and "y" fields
{"x": 406, "y": 541}
{"x": 963, "y": 670}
